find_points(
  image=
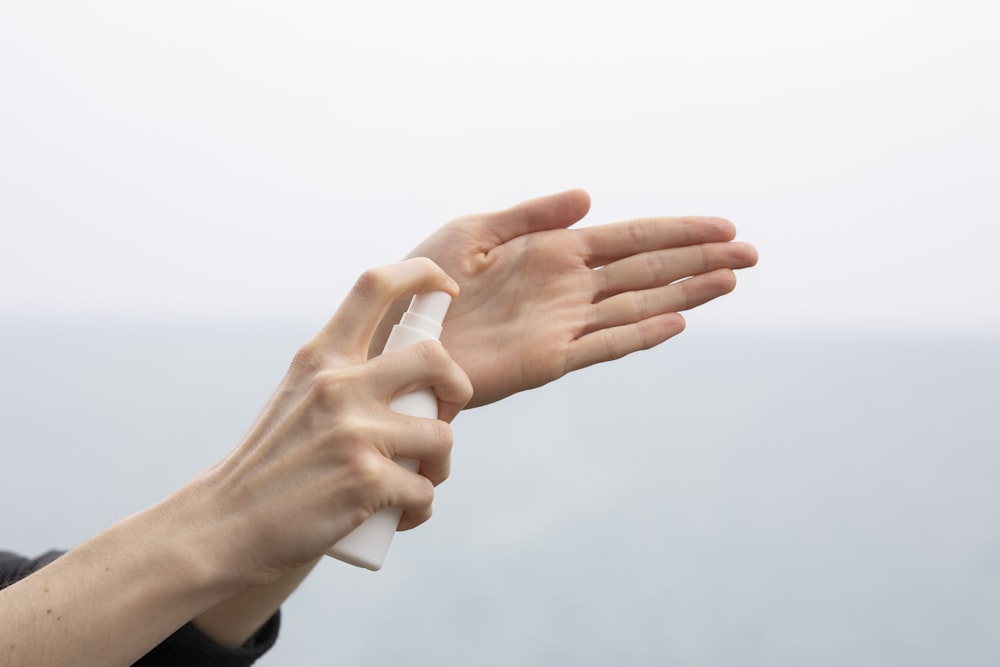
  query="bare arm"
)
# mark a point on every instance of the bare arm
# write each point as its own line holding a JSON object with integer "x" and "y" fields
{"x": 110, "y": 600}
{"x": 317, "y": 462}
{"x": 539, "y": 300}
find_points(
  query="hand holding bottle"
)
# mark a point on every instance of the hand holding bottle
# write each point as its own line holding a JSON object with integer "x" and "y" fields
{"x": 319, "y": 460}
{"x": 368, "y": 544}
{"x": 227, "y": 547}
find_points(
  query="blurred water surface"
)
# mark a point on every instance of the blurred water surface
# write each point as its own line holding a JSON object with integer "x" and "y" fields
{"x": 724, "y": 499}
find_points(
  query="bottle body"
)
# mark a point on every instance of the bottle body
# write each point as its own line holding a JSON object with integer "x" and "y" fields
{"x": 367, "y": 545}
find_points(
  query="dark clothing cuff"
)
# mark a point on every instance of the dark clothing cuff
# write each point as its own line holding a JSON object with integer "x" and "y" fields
{"x": 187, "y": 647}
{"x": 190, "y": 647}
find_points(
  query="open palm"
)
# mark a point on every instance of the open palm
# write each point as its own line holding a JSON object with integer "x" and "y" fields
{"x": 539, "y": 300}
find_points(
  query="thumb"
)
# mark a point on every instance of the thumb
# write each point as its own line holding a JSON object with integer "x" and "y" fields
{"x": 554, "y": 211}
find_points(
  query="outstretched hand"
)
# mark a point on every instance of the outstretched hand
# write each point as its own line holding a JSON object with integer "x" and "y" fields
{"x": 539, "y": 300}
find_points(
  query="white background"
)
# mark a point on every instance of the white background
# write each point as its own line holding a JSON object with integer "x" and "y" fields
{"x": 806, "y": 476}
{"x": 252, "y": 157}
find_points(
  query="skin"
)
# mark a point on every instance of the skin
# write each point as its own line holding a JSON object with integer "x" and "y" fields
{"x": 538, "y": 300}
{"x": 315, "y": 464}
{"x": 546, "y": 300}
{"x": 533, "y": 308}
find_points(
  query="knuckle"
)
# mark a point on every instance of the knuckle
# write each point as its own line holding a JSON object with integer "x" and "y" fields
{"x": 350, "y": 430}
{"x": 443, "y": 437}
{"x": 431, "y": 354}
{"x": 657, "y": 266}
{"x": 324, "y": 388}
{"x": 615, "y": 346}
{"x": 641, "y": 305}
{"x": 706, "y": 255}
{"x": 373, "y": 283}
{"x": 638, "y": 233}
{"x": 424, "y": 494}
{"x": 330, "y": 389}
{"x": 307, "y": 360}
{"x": 466, "y": 390}
{"x": 425, "y": 264}
{"x": 365, "y": 467}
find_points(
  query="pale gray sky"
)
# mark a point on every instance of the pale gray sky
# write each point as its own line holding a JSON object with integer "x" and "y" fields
{"x": 252, "y": 158}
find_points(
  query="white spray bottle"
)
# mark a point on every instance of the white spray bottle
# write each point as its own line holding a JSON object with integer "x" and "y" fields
{"x": 367, "y": 545}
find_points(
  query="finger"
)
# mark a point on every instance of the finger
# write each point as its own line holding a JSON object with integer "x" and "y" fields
{"x": 634, "y": 307}
{"x": 662, "y": 267}
{"x": 425, "y": 438}
{"x": 616, "y": 342}
{"x": 376, "y": 437}
{"x": 614, "y": 241}
{"x": 555, "y": 211}
{"x": 410, "y": 491}
{"x": 426, "y": 441}
{"x": 418, "y": 510}
{"x": 425, "y": 365}
{"x": 351, "y": 328}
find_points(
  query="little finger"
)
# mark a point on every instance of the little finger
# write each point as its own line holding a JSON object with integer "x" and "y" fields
{"x": 426, "y": 441}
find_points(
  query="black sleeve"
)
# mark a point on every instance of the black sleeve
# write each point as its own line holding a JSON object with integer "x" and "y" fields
{"x": 187, "y": 647}
{"x": 14, "y": 567}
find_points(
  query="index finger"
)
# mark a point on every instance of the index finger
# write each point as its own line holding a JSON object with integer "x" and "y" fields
{"x": 618, "y": 240}
{"x": 351, "y": 328}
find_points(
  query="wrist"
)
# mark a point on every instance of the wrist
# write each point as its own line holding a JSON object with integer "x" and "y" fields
{"x": 199, "y": 536}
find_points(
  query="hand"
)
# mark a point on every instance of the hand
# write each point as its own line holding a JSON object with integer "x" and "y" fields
{"x": 539, "y": 300}
{"x": 227, "y": 547}
{"x": 318, "y": 461}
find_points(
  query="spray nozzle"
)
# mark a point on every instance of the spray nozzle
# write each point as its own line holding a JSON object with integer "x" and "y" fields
{"x": 426, "y": 312}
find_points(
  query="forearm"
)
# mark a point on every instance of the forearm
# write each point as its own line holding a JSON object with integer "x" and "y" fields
{"x": 115, "y": 597}
{"x": 228, "y": 547}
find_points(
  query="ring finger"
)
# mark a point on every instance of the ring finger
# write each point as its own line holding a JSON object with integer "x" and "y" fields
{"x": 635, "y": 306}
{"x": 662, "y": 267}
